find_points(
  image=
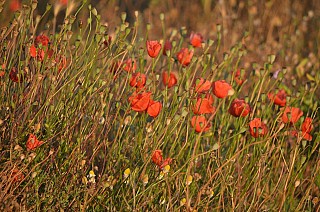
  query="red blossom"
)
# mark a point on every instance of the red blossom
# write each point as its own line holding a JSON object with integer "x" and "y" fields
{"x": 17, "y": 175}
{"x": 14, "y": 76}
{"x": 33, "y": 142}
{"x": 154, "y": 108}
{"x": 107, "y": 41}
{"x": 167, "y": 47}
{"x": 63, "y": 2}
{"x": 204, "y": 106}
{"x": 130, "y": 65}
{"x": 307, "y": 125}
{"x": 279, "y": 98}
{"x": 140, "y": 102}
{"x": 62, "y": 63}
{"x": 138, "y": 80}
{"x": 305, "y": 135}
{"x": 202, "y": 85}
{"x": 257, "y": 128}
{"x": 291, "y": 114}
{"x": 153, "y": 48}
{"x": 157, "y": 157}
{"x": 238, "y": 78}
{"x": 196, "y": 39}
{"x": 41, "y": 39}
{"x": 184, "y": 56}
{"x": 169, "y": 80}
{"x": 221, "y": 89}
{"x": 14, "y": 5}
{"x": 239, "y": 107}
{"x": 200, "y": 123}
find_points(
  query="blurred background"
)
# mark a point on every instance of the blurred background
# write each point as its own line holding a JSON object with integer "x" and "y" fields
{"x": 287, "y": 28}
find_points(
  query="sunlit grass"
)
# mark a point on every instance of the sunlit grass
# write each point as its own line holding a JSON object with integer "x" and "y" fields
{"x": 114, "y": 141}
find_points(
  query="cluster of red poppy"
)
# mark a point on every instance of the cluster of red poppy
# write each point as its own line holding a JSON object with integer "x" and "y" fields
{"x": 39, "y": 50}
{"x": 184, "y": 56}
{"x": 158, "y": 160}
{"x": 33, "y": 142}
{"x": 141, "y": 100}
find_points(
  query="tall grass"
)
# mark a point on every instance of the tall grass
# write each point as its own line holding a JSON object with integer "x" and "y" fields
{"x": 97, "y": 151}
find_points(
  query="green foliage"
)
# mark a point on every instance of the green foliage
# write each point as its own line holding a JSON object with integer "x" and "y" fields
{"x": 75, "y": 98}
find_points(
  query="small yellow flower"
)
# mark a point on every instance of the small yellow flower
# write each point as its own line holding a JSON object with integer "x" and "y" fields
{"x": 161, "y": 175}
{"x": 183, "y": 201}
{"x": 91, "y": 174}
{"x": 166, "y": 169}
{"x": 145, "y": 179}
{"x": 189, "y": 180}
{"x": 211, "y": 193}
{"x": 91, "y": 177}
{"x": 84, "y": 180}
{"x": 126, "y": 173}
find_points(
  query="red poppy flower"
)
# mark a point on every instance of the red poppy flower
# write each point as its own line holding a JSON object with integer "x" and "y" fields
{"x": 62, "y": 63}
{"x": 41, "y": 39}
{"x": 63, "y": 2}
{"x": 167, "y": 47}
{"x": 17, "y": 175}
{"x": 169, "y": 80}
{"x": 238, "y": 78}
{"x": 157, "y": 157}
{"x": 14, "y": 76}
{"x": 33, "y": 51}
{"x": 291, "y": 114}
{"x": 130, "y": 65}
{"x": 203, "y": 106}
{"x": 305, "y": 135}
{"x": 154, "y": 108}
{"x": 107, "y": 41}
{"x": 140, "y": 102}
{"x": 38, "y": 53}
{"x": 257, "y": 128}
{"x": 200, "y": 123}
{"x": 33, "y": 142}
{"x": 153, "y": 48}
{"x": 184, "y": 56}
{"x": 202, "y": 85}
{"x": 196, "y": 39}
{"x": 221, "y": 89}
{"x": 138, "y": 80}
{"x": 14, "y": 5}
{"x": 2, "y": 73}
{"x": 239, "y": 107}
{"x": 279, "y": 98}
{"x": 307, "y": 125}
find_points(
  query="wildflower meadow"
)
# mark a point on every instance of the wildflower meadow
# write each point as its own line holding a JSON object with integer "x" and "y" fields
{"x": 122, "y": 114}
